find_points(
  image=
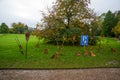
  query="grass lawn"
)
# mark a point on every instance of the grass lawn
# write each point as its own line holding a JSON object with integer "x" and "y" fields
{"x": 10, "y": 56}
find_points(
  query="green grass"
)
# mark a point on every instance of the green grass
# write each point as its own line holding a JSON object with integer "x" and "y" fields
{"x": 10, "y": 57}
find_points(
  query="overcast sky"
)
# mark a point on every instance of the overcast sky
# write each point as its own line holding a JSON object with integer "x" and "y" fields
{"x": 28, "y": 11}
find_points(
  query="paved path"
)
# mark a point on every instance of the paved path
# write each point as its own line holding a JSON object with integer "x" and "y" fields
{"x": 70, "y": 74}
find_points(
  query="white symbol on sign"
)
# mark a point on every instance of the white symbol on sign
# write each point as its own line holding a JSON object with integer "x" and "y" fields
{"x": 85, "y": 39}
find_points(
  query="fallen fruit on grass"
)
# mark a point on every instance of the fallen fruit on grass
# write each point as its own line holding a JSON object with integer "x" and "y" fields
{"x": 113, "y": 50}
{"x": 78, "y": 53}
{"x": 45, "y": 51}
{"x": 85, "y": 53}
{"x": 54, "y": 56}
{"x": 92, "y": 54}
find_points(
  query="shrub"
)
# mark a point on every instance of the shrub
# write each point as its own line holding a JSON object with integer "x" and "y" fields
{"x": 66, "y": 36}
{"x": 93, "y": 40}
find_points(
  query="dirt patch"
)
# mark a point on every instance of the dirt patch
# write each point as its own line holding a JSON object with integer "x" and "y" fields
{"x": 113, "y": 63}
{"x": 70, "y": 74}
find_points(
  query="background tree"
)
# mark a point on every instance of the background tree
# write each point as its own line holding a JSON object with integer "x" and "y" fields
{"x": 66, "y": 19}
{"x": 117, "y": 14}
{"x": 109, "y": 22}
{"x": 4, "y": 28}
{"x": 19, "y": 28}
{"x": 96, "y": 25}
{"x": 116, "y": 29}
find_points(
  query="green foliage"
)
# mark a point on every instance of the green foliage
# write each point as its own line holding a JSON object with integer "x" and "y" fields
{"x": 4, "y": 28}
{"x": 117, "y": 13}
{"x": 11, "y": 30}
{"x": 95, "y": 28}
{"x": 19, "y": 28}
{"x": 67, "y": 20}
{"x": 93, "y": 40}
{"x": 109, "y": 22}
{"x": 116, "y": 29}
{"x": 68, "y": 36}
{"x": 70, "y": 10}
{"x": 96, "y": 25}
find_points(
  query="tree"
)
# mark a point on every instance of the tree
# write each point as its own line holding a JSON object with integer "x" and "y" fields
{"x": 71, "y": 10}
{"x": 117, "y": 14}
{"x": 68, "y": 18}
{"x": 109, "y": 22}
{"x": 96, "y": 25}
{"x": 4, "y": 28}
{"x": 19, "y": 28}
{"x": 116, "y": 29}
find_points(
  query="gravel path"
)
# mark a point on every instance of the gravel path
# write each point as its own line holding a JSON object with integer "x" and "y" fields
{"x": 69, "y": 74}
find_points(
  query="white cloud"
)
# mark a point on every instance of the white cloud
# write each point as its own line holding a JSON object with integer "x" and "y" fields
{"x": 101, "y": 6}
{"x": 28, "y": 11}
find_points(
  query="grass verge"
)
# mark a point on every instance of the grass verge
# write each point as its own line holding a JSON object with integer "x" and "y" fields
{"x": 10, "y": 56}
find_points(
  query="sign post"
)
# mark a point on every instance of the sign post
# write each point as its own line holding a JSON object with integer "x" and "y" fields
{"x": 84, "y": 40}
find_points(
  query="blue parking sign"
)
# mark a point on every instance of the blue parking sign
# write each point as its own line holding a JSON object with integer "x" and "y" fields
{"x": 84, "y": 40}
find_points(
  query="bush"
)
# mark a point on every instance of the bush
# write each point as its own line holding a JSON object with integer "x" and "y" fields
{"x": 68, "y": 36}
{"x": 93, "y": 40}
